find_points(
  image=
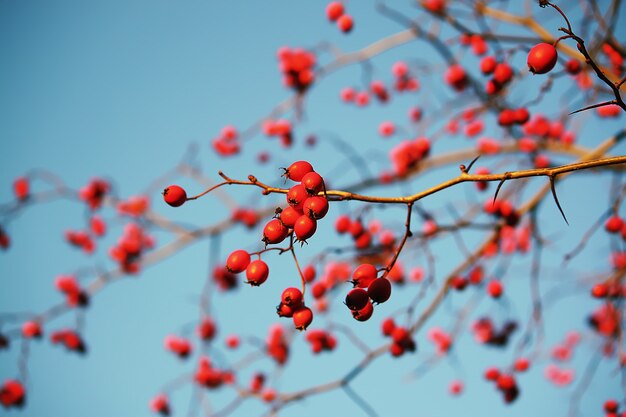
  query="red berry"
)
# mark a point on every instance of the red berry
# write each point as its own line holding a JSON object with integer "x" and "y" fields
{"x": 387, "y": 326}
{"x": 503, "y": 73}
{"x": 345, "y": 23}
{"x": 365, "y": 313}
{"x": 274, "y": 232}
{"x": 21, "y": 188}
{"x": 521, "y": 364}
{"x": 611, "y": 406}
{"x": 488, "y": 64}
{"x": 238, "y": 261}
{"x": 298, "y": 170}
{"x": 492, "y": 374}
{"x": 289, "y": 215}
{"x": 257, "y": 272}
{"x": 495, "y": 289}
{"x": 363, "y": 275}
{"x": 342, "y": 224}
{"x": 302, "y": 318}
{"x": 315, "y": 207}
{"x": 542, "y": 58}
{"x": 356, "y": 299}
{"x": 174, "y": 195}
{"x": 599, "y": 291}
{"x": 305, "y": 227}
{"x": 31, "y": 329}
{"x": 455, "y": 77}
{"x": 379, "y": 290}
{"x": 334, "y": 10}
{"x": 292, "y": 297}
{"x": 296, "y": 196}
{"x": 313, "y": 182}
{"x": 614, "y": 224}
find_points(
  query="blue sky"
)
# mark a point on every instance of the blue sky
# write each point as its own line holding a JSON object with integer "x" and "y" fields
{"x": 121, "y": 89}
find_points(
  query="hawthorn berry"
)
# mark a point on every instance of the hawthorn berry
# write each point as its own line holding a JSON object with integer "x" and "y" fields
{"x": 495, "y": 289}
{"x": 356, "y": 299}
{"x": 388, "y": 326}
{"x": 174, "y": 195}
{"x": 274, "y": 232}
{"x": 296, "y": 196}
{"x": 292, "y": 297}
{"x": 363, "y": 275}
{"x": 305, "y": 227}
{"x": 342, "y": 224}
{"x": 289, "y": 215}
{"x": 302, "y": 318}
{"x": 257, "y": 273}
{"x": 238, "y": 261}
{"x": 21, "y": 188}
{"x": 315, "y": 207}
{"x": 31, "y": 329}
{"x": 379, "y": 290}
{"x": 297, "y": 170}
{"x": 334, "y": 10}
{"x": 542, "y": 58}
{"x": 313, "y": 182}
{"x": 345, "y": 23}
{"x": 365, "y": 313}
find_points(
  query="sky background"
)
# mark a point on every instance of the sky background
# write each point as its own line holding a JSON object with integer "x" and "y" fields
{"x": 121, "y": 88}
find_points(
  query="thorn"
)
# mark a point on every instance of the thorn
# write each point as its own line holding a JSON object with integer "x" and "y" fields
{"x": 472, "y": 163}
{"x": 556, "y": 200}
{"x": 498, "y": 190}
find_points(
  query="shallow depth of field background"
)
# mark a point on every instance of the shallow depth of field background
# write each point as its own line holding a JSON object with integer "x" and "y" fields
{"x": 120, "y": 89}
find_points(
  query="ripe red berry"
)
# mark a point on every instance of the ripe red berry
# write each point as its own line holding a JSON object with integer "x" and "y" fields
{"x": 292, "y": 297}
{"x": 488, "y": 64}
{"x": 363, "y": 275}
{"x": 334, "y": 10}
{"x": 313, "y": 182}
{"x": 257, "y": 272}
{"x": 31, "y": 329}
{"x": 455, "y": 77}
{"x": 542, "y": 58}
{"x": 238, "y": 261}
{"x": 296, "y": 196}
{"x": 315, "y": 207}
{"x": 387, "y": 326}
{"x": 495, "y": 289}
{"x": 521, "y": 364}
{"x": 174, "y": 195}
{"x": 379, "y": 290}
{"x": 356, "y": 299}
{"x": 21, "y": 188}
{"x": 614, "y": 224}
{"x": 573, "y": 66}
{"x": 503, "y": 73}
{"x": 599, "y": 290}
{"x": 298, "y": 170}
{"x": 302, "y": 318}
{"x": 305, "y": 227}
{"x": 274, "y": 232}
{"x": 289, "y": 215}
{"x": 365, "y": 313}
{"x": 345, "y": 23}
{"x": 611, "y": 406}
{"x": 342, "y": 224}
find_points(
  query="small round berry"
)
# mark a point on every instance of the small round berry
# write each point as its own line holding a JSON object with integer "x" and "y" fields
{"x": 289, "y": 215}
{"x": 296, "y": 196}
{"x": 495, "y": 289}
{"x": 521, "y": 364}
{"x": 363, "y": 275}
{"x": 614, "y": 224}
{"x": 542, "y": 58}
{"x": 365, "y": 313}
{"x": 356, "y": 299}
{"x": 379, "y": 290}
{"x": 334, "y": 10}
{"x": 238, "y": 261}
{"x": 302, "y": 318}
{"x": 297, "y": 170}
{"x": 257, "y": 272}
{"x": 274, "y": 232}
{"x": 503, "y": 73}
{"x": 292, "y": 297}
{"x": 573, "y": 67}
{"x": 388, "y": 326}
{"x": 315, "y": 207}
{"x": 342, "y": 224}
{"x": 313, "y": 182}
{"x": 174, "y": 195}
{"x": 305, "y": 227}
{"x": 345, "y": 23}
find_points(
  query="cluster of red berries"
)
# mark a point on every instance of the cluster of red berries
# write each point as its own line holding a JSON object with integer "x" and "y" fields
{"x": 160, "y": 404}
{"x": 207, "y": 329}
{"x": 94, "y": 192}
{"x": 277, "y": 346}
{"x": 476, "y": 42}
{"x": 134, "y": 206}
{"x": 441, "y": 339}
{"x": 401, "y": 338}
{"x": 606, "y": 320}
{"x": 12, "y": 394}
{"x": 21, "y": 188}
{"x": 501, "y": 74}
{"x": 292, "y": 305}
{"x": 130, "y": 246}
{"x": 456, "y": 77}
{"x": 542, "y": 58}
{"x": 297, "y": 66}
{"x": 404, "y": 80}
{"x": 321, "y": 340}
{"x": 474, "y": 277}
{"x": 74, "y": 294}
{"x": 70, "y": 339}
{"x": 180, "y": 346}
{"x": 360, "y": 234}
{"x": 559, "y": 376}
{"x": 280, "y": 128}
{"x": 81, "y": 239}
{"x": 226, "y": 143}
{"x": 510, "y": 117}
{"x": 542, "y": 128}
{"x": 486, "y": 333}
{"x": 368, "y": 289}
{"x": 505, "y": 383}
{"x": 246, "y": 216}
{"x": 502, "y": 209}
{"x": 257, "y": 271}
{"x": 335, "y": 12}
{"x": 408, "y": 153}
{"x": 208, "y": 376}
